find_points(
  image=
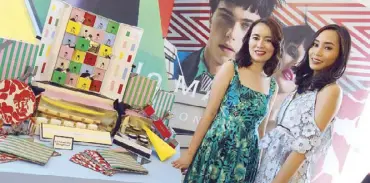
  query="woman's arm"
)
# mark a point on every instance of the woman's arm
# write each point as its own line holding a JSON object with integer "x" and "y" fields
{"x": 327, "y": 106}
{"x": 219, "y": 86}
{"x": 262, "y": 127}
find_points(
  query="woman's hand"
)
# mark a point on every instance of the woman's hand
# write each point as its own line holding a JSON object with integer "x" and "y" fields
{"x": 183, "y": 162}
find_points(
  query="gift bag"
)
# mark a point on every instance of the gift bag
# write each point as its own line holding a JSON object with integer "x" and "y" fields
{"x": 15, "y": 56}
{"x": 163, "y": 102}
{"x": 140, "y": 91}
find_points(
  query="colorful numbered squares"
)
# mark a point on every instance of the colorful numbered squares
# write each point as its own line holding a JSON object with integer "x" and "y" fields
{"x": 94, "y": 47}
{"x": 77, "y": 15}
{"x": 125, "y": 44}
{"x": 89, "y": 19}
{"x": 117, "y": 70}
{"x": 112, "y": 27}
{"x": 69, "y": 40}
{"x": 102, "y": 63}
{"x": 120, "y": 89}
{"x": 95, "y": 85}
{"x": 112, "y": 85}
{"x": 133, "y": 47}
{"x": 128, "y": 33}
{"x": 90, "y": 59}
{"x": 101, "y": 23}
{"x": 75, "y": 67}
{"x": 73, "y": 27}
{"x": 78, "y": 56}
{"x": 115, "y": 86}
{"x": 126, "y": 73}
{"x": 134, "y": 33}
{"x": 82, "y": 44}
{"x": 59, "y": 77}
{"x": 99, "y": 74}
{"x": 83, "y": 83}
{"x": 109, "y": 39}
{"x": 105, "y": 51}
{"x": 98, "y": 35}
{"x": 121, "y": 55}
{"x": 66, "y": 52}
{"x": 129, "y": 58}
{"x": 86, "y": 32}
{"x": 86, "y": 70}
{"x": 62, "y": 64}
{"x": 71, "y": 79}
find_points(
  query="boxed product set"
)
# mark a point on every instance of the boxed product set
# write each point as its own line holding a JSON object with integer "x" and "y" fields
{"x": 77, "y": 84}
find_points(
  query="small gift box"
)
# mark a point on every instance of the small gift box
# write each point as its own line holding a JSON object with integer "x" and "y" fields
{"x": 163, "y": 102}
{"x": 139, "y": 91}
{"x": 162, "y": 129}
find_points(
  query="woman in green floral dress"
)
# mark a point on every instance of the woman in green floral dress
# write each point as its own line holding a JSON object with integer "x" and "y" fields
{"x": 224, "y": 147}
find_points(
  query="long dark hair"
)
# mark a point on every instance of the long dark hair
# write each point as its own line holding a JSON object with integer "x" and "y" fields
{"x": 243, "y": 57}
{"x": 305, "y": 79}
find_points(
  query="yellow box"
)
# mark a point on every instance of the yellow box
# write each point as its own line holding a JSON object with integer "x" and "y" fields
{"x": 105, "y": 51}
{"x": 78, "y": 56}
{"x": 73, "y": 27}
{"x": 84, "y": 83}
{"x": 80, "y": 135}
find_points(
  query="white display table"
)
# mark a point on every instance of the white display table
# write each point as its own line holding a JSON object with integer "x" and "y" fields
{"x": 61, "y": 170}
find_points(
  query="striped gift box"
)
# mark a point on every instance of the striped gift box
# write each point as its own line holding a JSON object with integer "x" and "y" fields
{"x": 15, "y": 56}
{"x": 122, "y": 162}
{"x": 163, "y": 102}
{"x": 139, "y": 91}
{"x": 27, "y": 150}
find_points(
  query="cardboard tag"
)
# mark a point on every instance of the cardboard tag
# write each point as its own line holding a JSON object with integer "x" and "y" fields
{"x": 61, "y": 142}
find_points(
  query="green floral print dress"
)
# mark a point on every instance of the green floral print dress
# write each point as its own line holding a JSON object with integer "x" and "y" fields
{"x": 229, "y": 151}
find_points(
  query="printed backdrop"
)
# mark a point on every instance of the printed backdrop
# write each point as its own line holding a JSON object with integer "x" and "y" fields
{"x": 189, "y": 29}
{"x": 174, "y": 29}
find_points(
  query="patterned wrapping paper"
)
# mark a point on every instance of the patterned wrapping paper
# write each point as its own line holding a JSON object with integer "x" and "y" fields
{"x": 98, "y": 158}
{"x": 26, "y": 150}
{"x": 140, "y": 91}
{"x": 122, "y": 162}
{"x": 163, "y": 102}
{"x": 15, "y": 56}
{"x": 84, "y": 160}
{"x": 5, "y": 158}
{"x": 55, "y": 154}
{"x": 17, "y": 101}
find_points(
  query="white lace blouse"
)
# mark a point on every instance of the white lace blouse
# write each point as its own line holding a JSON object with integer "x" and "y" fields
{"x": 296, "y": 131}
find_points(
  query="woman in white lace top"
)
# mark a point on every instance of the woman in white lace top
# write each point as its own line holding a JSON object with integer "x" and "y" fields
{"x": 305, "y": 120}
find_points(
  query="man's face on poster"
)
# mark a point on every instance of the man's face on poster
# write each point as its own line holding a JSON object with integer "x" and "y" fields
{"x": 229, "y": 24}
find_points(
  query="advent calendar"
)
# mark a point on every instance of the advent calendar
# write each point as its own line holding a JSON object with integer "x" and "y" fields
{"x": 86, "y": 51}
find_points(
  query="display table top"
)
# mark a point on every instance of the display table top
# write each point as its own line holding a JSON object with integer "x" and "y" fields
{"x": 61, "y": 170}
